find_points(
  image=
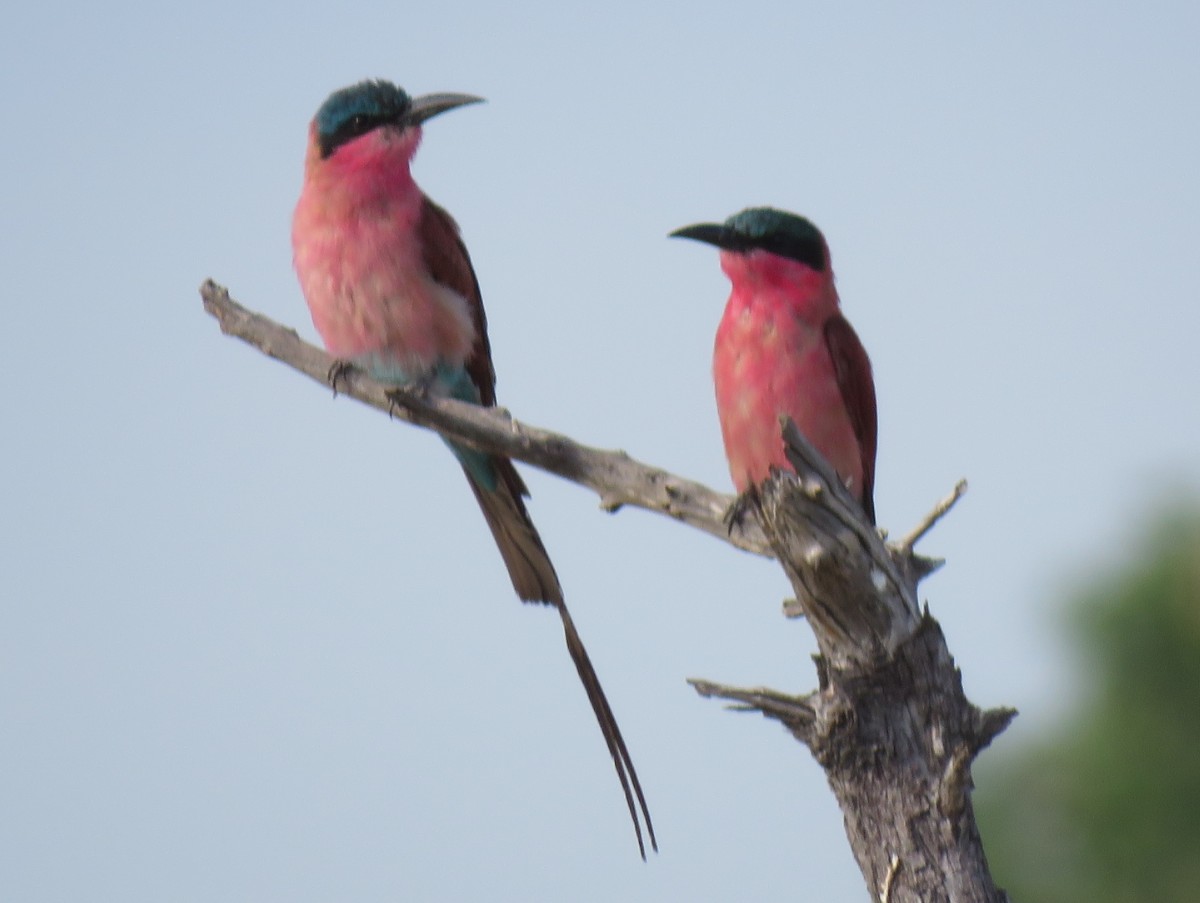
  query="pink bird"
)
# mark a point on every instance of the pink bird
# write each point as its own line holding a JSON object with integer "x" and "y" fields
{"x": 391, "y": 289}
{"x": 783, "y": 347}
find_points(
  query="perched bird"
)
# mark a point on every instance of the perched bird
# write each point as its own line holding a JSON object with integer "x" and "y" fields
{"x": 783, "y": 347}
{"x": 392, "y": 290}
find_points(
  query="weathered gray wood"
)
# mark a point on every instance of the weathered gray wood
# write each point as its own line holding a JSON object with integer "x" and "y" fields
{"x": 617, "y": 478}
{"x": 889, "y": 722}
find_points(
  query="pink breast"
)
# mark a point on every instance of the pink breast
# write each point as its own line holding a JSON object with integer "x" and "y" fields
{"x": 361, "y": 270}
{"x": 769, "y": 362}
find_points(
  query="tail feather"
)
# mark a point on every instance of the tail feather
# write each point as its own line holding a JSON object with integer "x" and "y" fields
{"x": 529, "y": 567}
{"x": 622, "y": 761}
{"x": 535, "y": 580}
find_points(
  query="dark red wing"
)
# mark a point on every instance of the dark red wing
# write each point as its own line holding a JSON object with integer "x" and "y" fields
{"x": 528, "y": 564}
{"x": 446, "y": 258}
{"x": 448, "y": 262}
{"x": 853, "y": 370}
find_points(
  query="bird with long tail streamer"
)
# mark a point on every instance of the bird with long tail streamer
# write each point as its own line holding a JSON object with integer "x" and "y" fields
{"x": 391, "y": 290}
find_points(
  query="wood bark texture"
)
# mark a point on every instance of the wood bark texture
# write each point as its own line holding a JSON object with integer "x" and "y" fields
{"x": 888, "y": 723}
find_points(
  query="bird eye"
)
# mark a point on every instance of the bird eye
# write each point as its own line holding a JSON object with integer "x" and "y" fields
{"x": 348, "y": 129}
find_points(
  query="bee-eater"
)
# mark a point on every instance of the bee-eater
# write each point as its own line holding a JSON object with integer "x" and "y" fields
{"x": 392, "y": 290}
{"x": 783, "y": 347}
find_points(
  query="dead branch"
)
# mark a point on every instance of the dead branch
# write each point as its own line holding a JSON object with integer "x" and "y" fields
{"x": 889, "y": 722}
{"x": 617, "y": 478}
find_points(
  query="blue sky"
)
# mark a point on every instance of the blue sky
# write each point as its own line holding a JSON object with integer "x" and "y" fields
{"x": 256, "y": 643}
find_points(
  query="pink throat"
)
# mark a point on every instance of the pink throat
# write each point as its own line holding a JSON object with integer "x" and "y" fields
{"x": 356, "y": 237}
{"x": 771, "y": 359}
{"x": 793, "y": 285}
{"x": 372, "y": 169}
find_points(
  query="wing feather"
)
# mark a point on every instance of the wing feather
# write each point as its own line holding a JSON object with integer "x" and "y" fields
{"x": 853, "y": 370}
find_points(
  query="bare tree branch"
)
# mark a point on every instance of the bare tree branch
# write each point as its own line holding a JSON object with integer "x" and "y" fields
{"x": 613, "y": 475}
{"x": 940, "y": 510}
{"x": 889, "y": 722}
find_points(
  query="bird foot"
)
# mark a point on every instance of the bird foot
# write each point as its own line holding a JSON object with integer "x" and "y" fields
{"x": 743, "y": 505}
{"x": 419, "y": 390}
{"x": 339, "y": 369}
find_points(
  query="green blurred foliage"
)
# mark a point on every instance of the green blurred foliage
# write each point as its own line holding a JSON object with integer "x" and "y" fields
{"x": 1107, "y": 806}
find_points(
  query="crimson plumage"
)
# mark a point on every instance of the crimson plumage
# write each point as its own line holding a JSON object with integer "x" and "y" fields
{"x": 391, "y": 289}
{"x": 783, "y": 347}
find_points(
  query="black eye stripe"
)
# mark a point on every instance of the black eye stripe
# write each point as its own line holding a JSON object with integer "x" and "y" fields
{"x": 805, "y": 250}
{"x": 354, "y": 127}
{"x": 359, "y": 125}
{"x": 781, "y": 233}
{"x": 354, "y": 111}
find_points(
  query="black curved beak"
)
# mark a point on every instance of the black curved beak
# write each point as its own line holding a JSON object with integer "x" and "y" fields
{"x": 709, "y": 233}
{"x": 429, "y": 105}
